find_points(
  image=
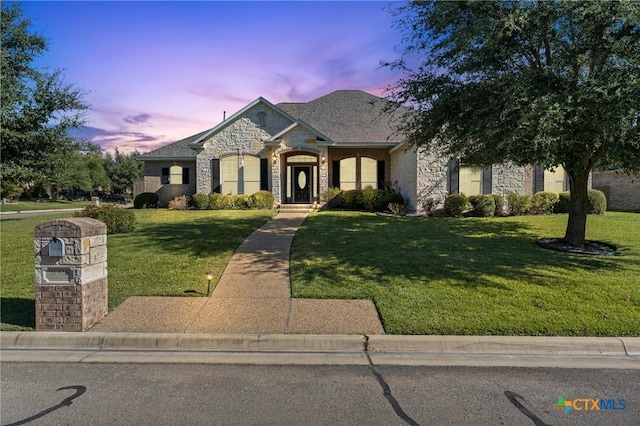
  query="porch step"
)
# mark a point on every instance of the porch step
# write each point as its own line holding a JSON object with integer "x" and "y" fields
{"x": 296, "y": 208}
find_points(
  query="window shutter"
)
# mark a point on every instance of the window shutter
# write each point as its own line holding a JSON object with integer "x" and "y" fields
{"x": 185, "y": 175}
{"x": 336, "y": 173}
{"x": 454, "y": 176}
{"x": 264, "y": 174}
{"x": 215, "y": 175}
{"x": 165, "y": 176}
{"x": 486, "y": 180}
{"x": 381, "y": 177}
{"x": 538, "y": 173}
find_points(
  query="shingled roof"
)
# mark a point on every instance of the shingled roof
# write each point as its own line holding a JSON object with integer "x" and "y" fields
{"x": 347, "y": 116}
{"x": 344, "y": 116}
{"x": 174, "y": 151}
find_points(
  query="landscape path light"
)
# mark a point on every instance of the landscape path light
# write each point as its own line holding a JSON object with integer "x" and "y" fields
{"x": 210, "y": 275}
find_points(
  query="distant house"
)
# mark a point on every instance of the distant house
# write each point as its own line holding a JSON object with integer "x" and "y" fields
{"x": 299, "y": 150}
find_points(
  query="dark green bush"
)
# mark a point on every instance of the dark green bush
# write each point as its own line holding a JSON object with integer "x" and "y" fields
{"x": 146, "y": 200}
{"x": 336, "y": 202}
{"x": 369, "y": 196}
{"x": 482, "y": 205}
{"x": 597, "y": 202}
{"x": 200, "y": 201}
{"x": 519, "y": 204}
{"x": 329, "y": 194}
{"x": 562, "y": 206}
{"x": 499, "y": 203}
{"x": 117, "y": 219}
{"x": 544, "y": 202}
{"x": 353, "y": 200}
{"x": 262, "y": 200}
{"x": 455, "y": 204}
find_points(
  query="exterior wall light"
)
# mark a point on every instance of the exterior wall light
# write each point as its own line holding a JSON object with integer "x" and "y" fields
{"x": 274, "y": 157}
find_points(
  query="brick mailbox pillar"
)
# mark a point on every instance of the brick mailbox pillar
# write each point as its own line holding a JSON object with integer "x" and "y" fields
{"x": 71, "y": 274}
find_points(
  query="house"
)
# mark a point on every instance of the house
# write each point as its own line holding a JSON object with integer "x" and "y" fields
{"x": 299, "y": 150}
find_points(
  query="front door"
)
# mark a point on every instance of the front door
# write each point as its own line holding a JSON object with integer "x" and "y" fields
{"x": 302, "y": 184}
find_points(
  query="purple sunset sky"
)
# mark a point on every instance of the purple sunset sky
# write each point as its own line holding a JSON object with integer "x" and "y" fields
{"x": 157, "y": 72}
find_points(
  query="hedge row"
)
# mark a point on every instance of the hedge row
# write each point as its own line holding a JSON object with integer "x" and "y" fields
{"x": 368, "y": 199}
{"x": 544, "y": 202}
{"x": 117, "y": 219}
{"x": 259, "y": 200}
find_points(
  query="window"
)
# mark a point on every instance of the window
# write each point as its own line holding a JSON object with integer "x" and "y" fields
{"x": 348, "y": 174}
{"x": 471, "y": 180}
{"x": 175, "y": 175}
{"x": 241, "y": 177}
{"x": 302, "y": 159}
{"x": 230, "y": 174}
{"x": 368, "y": 173}
{"x": 554, "y": 180}
{"x": 251, "y": 174}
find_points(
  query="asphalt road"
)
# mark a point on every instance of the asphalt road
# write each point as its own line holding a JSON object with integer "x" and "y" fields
{"x": 179, "y": 394}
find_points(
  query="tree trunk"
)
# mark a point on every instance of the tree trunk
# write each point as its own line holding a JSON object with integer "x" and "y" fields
{"x": 578, "y": 207}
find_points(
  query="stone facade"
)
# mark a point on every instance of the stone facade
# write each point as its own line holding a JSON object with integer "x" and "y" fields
{"x": 621, "y": 189}
{"x": 70, "y": 274}
{"x": 507, "y": 178}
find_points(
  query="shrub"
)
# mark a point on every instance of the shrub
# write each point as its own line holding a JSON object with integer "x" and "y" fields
{"x": 336, "y": 202}
{"x": 329, "y": 194}
{"x": 519, "y": 204}
{"x": 241, "y": 202}
{"x": 597, "y": 202}
{"x": 353, "y": 199}
{"x": 179, "y": 203}
{"x": 220, "y": 202}
{"x": 482, "y": 205}
{"x": 455, "y": 204}
{"x": 146, "y": 200}
{"x": 117, "y": 219}
{"x": 429, "y": 205}
{"x": 398, "y": 209}
{"x": 562, "y": 206}
{"x": 543, "y": 202}
{"x": 262, "y": 200}
{"x": 200, "y": 201}
{"x": 369, "y": 196}
{"x": 499, "y": 203}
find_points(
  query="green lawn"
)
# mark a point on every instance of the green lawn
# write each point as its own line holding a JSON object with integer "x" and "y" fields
{"x": 167, "y": 255}
{"x": 473, "y": 275}
{"x": 44, "y": 205}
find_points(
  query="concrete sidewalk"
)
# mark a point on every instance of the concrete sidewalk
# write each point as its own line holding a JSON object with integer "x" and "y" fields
{"x": 253, "y": 295}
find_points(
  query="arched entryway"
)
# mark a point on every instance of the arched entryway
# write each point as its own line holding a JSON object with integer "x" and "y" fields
{"x": 301, "y": 182}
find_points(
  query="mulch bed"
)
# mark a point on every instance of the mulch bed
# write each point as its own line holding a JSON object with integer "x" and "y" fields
{"x": 597, "y": 248}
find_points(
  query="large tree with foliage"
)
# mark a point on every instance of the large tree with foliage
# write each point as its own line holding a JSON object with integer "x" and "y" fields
{"x": 38, "y": 107}
{"x": 123, "y": 170}
{"x": 533, "y": 82}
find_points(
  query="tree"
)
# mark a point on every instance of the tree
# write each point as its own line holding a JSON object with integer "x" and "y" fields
{"x": 37, "y": 107}
{"x": 547, "y": 83}
{"x": 123, "y": 170}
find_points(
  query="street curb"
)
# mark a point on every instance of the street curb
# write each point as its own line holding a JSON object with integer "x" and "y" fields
{"x": 42, "y": 211}
{"x": 481, "y": 345}
{"x": 507, "y": 345}
{"x": 182, "y": 341}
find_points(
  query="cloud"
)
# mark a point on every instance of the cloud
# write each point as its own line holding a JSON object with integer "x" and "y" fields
{"x": 123, "y": 139}
{"x": 137, "y": 119}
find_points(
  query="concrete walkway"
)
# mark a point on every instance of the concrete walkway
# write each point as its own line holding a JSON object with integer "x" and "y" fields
{"x": 253, "y": 296}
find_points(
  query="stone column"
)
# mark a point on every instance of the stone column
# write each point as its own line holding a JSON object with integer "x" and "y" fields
{"x": 71, "y": 274}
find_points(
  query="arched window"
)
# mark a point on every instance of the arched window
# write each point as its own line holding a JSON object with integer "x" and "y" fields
{"x": 348, "y": 173}
{"x": 229, "y": 166}
{"x": 251, "y": 174}
{"x": 368, "y": 173}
